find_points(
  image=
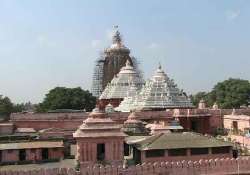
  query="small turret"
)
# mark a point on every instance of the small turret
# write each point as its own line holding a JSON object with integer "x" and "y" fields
{"x": 215, "y": 106}
{"x": 234, "y": 112}
{"x": 202, "y": 104}
{"x": 134, "y": 126}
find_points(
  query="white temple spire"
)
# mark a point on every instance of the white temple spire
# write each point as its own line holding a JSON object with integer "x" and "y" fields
{"x": 128, "y": 63}
{"x": 159, "y": 92}
{"x": 159, "y": 67}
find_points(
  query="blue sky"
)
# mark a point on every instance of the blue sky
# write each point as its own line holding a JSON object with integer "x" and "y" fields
{"x": 48, "y": 43}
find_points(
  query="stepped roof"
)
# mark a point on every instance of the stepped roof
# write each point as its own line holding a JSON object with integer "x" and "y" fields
{"x": 134, "y": 126}
{"x": 126, "y": 83}
{"x": 159, "y": 92}
{"x": 98, "y": 124}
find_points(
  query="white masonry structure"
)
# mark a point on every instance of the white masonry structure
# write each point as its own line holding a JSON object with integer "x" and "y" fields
{"x": 159, "y": 93}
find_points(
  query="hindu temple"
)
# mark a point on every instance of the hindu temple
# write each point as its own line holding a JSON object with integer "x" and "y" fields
{"x": 110, "y": 63}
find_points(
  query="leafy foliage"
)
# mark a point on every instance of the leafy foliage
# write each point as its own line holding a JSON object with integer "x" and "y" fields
{"x": 7, "y": 107}
{"x": 67, "y": 98}
{"x": 231, "y": 93}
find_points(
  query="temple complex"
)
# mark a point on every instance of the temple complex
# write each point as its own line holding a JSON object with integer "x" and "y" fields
{"x": 149, "y": 124}
{"x": 159, "y": 93}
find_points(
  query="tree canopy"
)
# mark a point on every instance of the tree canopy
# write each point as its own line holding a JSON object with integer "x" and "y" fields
{"x": 231, "y": 93}
{"x": 7, "y": 107}
{"x": 67, "y": 98}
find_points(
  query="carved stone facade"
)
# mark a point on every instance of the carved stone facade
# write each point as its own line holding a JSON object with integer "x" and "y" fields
{"x": 110, "y": 63}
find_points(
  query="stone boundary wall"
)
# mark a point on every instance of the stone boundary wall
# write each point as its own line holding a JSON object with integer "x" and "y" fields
{"x": 208, "y": 167}
{"x": 48, "y": 116}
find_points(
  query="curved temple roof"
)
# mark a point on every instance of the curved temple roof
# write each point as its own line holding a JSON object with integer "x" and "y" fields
{"x": 127, "y": 82}
{"x": 159, "y": 92}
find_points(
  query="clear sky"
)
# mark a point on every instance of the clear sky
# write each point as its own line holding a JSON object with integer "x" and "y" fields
{"x": 48, "y": 43}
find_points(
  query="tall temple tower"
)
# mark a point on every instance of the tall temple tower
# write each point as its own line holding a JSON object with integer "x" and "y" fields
{"x": 110, "y": 63}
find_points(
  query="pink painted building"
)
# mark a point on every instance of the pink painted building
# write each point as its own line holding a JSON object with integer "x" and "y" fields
{"x": 6, "y": 128}
{"x": 237, "y": 123}
{"x": 238, "y": 126}
{"x": 30, "y": 151}
{"x": 99, "y": 140}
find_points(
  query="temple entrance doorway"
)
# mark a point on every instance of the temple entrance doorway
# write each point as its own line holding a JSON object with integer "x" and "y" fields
{"x": 100, "y": 151}
{"x": 45, "y": 153}
{"x": 235, "y": 126}
{"x": 22, "y": 154}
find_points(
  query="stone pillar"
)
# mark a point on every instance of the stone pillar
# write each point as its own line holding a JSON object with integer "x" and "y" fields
{"x": 166, "y": 153}
{"x": 209, "y": 151}
{"x": 188, "y": 152}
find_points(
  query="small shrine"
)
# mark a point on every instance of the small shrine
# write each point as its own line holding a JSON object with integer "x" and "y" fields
{"x": 202, "y": 104}
{"x": 99, "y": 140}
{"x": 134, "y": 126}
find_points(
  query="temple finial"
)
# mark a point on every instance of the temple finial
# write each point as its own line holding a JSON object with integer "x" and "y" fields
{"x": 128, "y": 63}
{"x": 159, "y": 66}
{"x": 117, "y": 36}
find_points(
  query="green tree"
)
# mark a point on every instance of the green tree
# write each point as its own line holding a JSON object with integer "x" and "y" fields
{"x": 231, "y": 93}
{"x": 67, "y": 98}
{"x": 6, "y": 107}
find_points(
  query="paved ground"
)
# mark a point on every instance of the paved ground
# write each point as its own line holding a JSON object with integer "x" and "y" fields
{"x": 66, "y": 163}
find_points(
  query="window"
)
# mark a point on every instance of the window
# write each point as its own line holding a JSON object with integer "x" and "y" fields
{"x": 199, "y": 151}
{"x": 155, "y": 153}
{"x": 100, "y": 151}
{"x": 221, "y": 150}
{"x": 126, "y": 149}
{"x": 177, "y": 152}
{"x": 45, "y": 153}
{"x": 22, "y": 154}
